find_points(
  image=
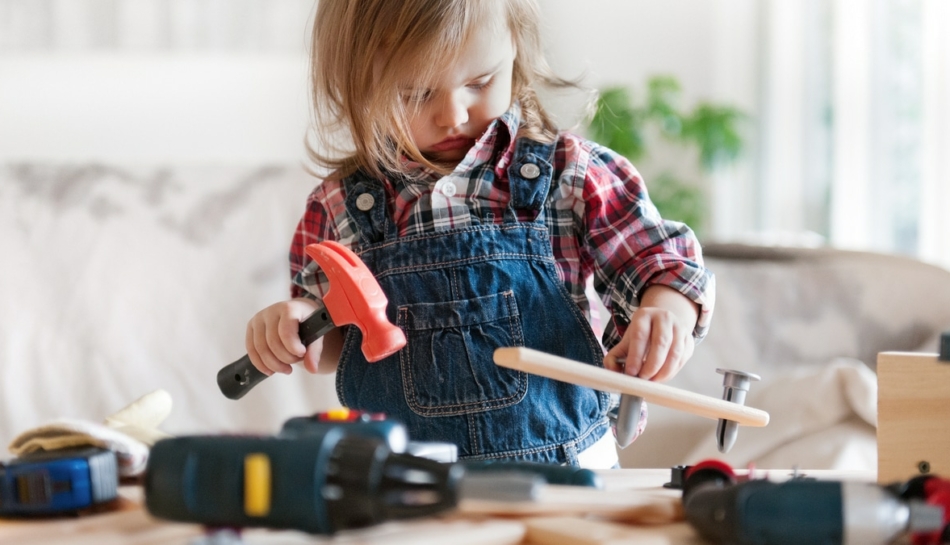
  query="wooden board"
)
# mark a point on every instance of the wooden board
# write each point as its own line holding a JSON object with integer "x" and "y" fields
{"x": 580, "y": 531}
{"x": 127, "y": 523}
{"x": 575, "y": 372}
{"x": 913, "y": 412}
{"x": 630, "y": 506}
{"x": 428, "y": 531}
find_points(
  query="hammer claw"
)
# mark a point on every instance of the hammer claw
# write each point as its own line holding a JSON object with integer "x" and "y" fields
{"x": 355, "y": 298}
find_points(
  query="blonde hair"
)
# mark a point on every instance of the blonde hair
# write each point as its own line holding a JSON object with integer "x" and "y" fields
{"x": 362, "y": 49}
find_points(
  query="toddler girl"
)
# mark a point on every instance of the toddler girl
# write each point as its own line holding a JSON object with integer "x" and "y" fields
{"x": 482, "y": 223}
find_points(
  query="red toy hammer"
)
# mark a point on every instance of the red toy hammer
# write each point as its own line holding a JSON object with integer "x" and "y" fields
{"x": 354, "y": 298}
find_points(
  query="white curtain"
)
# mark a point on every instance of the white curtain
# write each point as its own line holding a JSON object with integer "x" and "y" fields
{"x": 851, "y": 222}
{"x": 855, "y": 123}
{"x": 935, "y": 153}
{"x": 891, "y": 183}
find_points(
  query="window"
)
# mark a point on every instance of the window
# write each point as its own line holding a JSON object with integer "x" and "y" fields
{"x": 855, "y": 123}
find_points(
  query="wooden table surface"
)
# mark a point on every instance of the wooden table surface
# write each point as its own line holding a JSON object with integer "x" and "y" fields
{"x": 130, "y": 524}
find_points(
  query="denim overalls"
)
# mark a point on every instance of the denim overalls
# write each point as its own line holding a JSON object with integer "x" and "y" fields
{"x": 458, "y": 295}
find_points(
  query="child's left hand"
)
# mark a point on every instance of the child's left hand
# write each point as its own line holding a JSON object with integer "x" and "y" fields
{"x": 659, "y": 339}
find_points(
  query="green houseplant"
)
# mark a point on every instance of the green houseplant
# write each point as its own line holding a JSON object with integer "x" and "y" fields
{"x": 709, "y": 134}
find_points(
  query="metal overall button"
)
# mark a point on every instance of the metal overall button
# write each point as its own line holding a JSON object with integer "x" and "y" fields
{"x": 365, "y": 202}
{"x": 530, "y": 170}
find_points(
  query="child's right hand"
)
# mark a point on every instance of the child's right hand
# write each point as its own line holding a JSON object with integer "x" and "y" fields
{"x": 273, "y": 341}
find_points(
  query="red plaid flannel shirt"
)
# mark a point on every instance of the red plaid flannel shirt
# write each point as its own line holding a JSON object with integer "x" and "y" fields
{"x": 602, "y": 223}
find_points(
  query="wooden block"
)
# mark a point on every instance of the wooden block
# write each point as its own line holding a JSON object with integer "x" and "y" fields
{"x": 913, "y": 412}
{"x": 575, "y": 372}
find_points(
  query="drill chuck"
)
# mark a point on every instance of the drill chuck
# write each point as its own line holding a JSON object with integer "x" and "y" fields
{"x": 367, "y": 484}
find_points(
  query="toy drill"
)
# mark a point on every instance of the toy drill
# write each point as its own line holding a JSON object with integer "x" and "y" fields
{"x": 320, "y": 475}
{"x": 726, "y": 510}
{"x": 57, "y": 482}
{"x": 932, "y": 490}
{"x": 318, "y": 479}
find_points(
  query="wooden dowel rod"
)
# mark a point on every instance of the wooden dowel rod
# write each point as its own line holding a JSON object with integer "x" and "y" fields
{"x": 582, "y": 374}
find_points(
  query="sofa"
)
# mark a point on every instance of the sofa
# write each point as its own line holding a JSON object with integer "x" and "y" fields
{"x": 810, "y": 323}
{"x": 118, "y": 281}
{"x": 121, "y": 280}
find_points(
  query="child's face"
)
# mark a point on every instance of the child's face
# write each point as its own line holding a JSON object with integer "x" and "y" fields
{"x": 467, "y": 96}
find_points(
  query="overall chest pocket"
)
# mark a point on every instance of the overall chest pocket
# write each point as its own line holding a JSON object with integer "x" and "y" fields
{"x": 447, "y": 365}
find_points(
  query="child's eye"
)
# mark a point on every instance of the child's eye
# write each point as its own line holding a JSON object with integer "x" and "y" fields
{"x": 481, "y": 84}
{"x": 417, "y": 97}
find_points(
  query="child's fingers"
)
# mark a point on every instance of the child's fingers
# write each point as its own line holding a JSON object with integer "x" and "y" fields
{"x": 674, "y": 360}
{"x": 288, "y": 332}
{"x": 252, "y": 353}
{"x": 661, "y": 341}
{"x": 257, "y": 349}
{"x": 688, "y": 344}
{"x": 264, "y": 350}
{"x": 637, "y": 342}
{"x": 613, "y": 360}
{"x": 277, "y": 350}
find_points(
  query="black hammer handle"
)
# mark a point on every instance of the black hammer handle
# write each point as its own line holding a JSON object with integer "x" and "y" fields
{"x": 238, "y": 378}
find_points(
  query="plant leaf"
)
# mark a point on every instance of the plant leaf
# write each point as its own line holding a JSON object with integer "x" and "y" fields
{"x": 715, "y": 130}
{"x": 663, "y": 93}
{"x": 617, "y": 125}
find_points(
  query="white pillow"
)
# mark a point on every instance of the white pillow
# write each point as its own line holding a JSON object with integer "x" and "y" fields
{"x": 822, "y": 417}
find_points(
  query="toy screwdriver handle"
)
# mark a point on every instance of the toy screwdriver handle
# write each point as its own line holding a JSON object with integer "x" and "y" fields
{"x": 237, "y": 379}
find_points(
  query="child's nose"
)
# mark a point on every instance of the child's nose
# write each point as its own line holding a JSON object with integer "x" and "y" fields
{"x": 453, "y": 111}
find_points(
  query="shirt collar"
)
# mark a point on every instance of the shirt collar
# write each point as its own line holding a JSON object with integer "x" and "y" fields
{"x": 497, "y": 143}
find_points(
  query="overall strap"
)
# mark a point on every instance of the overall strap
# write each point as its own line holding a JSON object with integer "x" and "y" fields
{"x": 366, "y": 206}
{"x": 529, "y": 177}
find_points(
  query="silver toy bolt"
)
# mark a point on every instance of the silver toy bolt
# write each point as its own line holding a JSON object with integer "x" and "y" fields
{"x": 625, "y": 419}
{"x": 736, "y": 385}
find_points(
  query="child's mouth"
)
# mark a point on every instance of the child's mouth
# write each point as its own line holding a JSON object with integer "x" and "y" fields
{"x": 456, "y": 143}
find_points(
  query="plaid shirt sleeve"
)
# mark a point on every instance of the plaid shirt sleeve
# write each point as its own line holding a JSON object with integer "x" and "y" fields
{"x": 307, "y": 279}
{"x": 632, "y": 247}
